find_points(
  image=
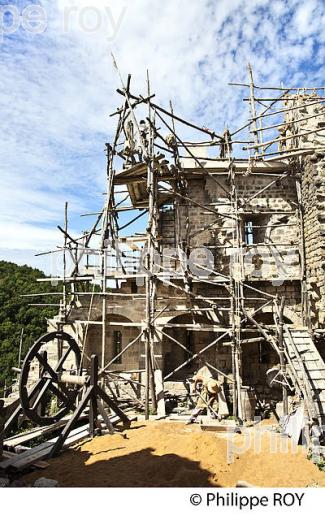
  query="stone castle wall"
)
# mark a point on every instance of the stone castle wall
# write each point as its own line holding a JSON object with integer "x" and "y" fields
{"x": 276, "y": 240}
{"x": 313, "y": 201}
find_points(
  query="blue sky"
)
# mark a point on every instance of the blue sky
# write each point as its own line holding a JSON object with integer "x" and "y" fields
{"x": 58, "y": 87}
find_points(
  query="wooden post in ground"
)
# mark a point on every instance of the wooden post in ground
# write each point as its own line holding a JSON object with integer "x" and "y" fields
{"x": 151, "y": 289}
{"x": 160, "y": 397}
{"x": 93, "y": 410}
{"x": 147, "y": 389}
{"x": 282, "y": 357}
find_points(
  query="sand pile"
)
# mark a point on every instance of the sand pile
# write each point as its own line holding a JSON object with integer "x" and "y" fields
{"x": 164, "y": 454}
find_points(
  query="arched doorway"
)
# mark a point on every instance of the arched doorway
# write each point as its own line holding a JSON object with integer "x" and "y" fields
{"x": 195, "y": 335}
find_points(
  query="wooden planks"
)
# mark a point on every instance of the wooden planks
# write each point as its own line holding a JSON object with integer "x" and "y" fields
{"x": 28, "y": 458}
{"x": 219, "y": 428}
{"x": 32, "y": 456}
{"x": 21, "y": 438}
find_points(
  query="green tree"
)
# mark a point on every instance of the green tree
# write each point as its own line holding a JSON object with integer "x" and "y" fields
{"x": 17, "y": 314}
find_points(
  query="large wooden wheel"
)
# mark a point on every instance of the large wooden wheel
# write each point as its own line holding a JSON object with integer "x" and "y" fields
{"x": 48, "y": 399}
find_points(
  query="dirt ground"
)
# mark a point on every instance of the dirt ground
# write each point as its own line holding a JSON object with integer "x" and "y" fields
{"x": 170, "y": 454}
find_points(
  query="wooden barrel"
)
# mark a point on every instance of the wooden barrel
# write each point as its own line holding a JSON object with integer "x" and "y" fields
{"x": 248, "y": 400}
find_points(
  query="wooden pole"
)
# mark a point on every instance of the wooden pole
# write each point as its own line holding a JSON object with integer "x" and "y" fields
{"x": 282, "y": 356}
{"x": 103, "y": 331}
{"x": 236, "y": 289}
{"x": 276, "y": 88}
{"x": 64, "y": 256}
{"x": 93, "y": 410}
{"x": 21, "y": 346}
{"x": 147, "y": 371}
{"x": 252, "y": 107}
{"x": 302, "y": 251}
{"x": 151, "y": 289}
{"x": 281, "y": 139}
{"x": 63, "y": 307}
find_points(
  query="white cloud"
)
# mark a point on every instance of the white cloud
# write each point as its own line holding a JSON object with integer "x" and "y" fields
{"x": 28, "y": 257}
{"x": 304, "y": 19}
{"x": 30, "y": 237}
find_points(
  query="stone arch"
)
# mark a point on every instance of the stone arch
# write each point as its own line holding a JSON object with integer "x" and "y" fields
{"x": 291, "y": 317}
{"x": 267, "y": 318}
{"x": 194, "y": 339}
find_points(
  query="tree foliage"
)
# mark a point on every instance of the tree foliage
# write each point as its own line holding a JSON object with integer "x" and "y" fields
{"x": 17, "y": 314}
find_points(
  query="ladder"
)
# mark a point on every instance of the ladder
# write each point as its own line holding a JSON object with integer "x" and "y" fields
{"x": 308, "y": 369}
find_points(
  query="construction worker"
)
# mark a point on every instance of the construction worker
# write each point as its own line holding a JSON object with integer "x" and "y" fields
{"x": 207, "y": 389}
{"x": 144, "y": 131}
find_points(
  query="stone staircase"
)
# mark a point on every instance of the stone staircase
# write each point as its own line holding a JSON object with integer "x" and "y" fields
{"x": 309, "y": 369}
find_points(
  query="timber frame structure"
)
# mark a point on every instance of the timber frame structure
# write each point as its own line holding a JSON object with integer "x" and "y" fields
{"x": 154, "y": 174}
